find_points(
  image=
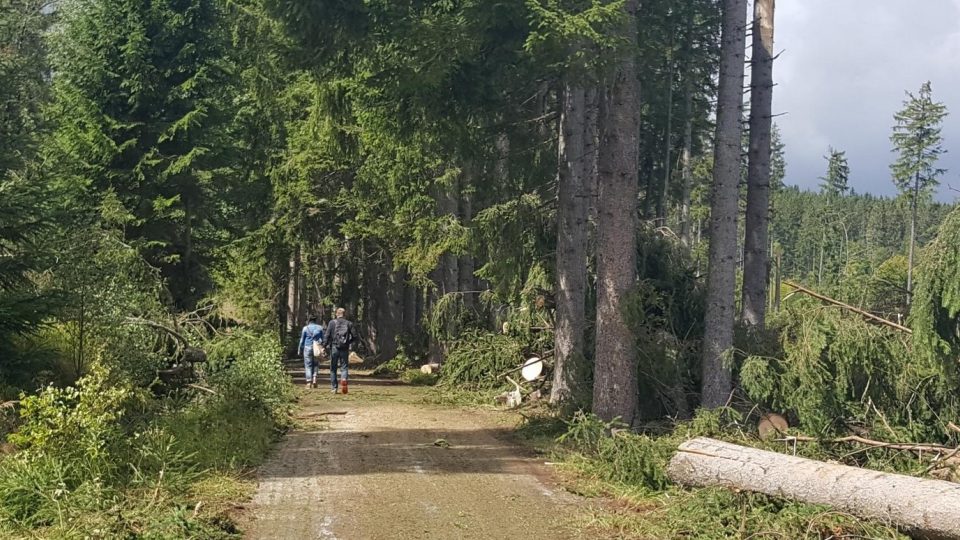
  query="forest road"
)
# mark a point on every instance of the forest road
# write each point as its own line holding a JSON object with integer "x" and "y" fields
{"x": 381, "y": 462}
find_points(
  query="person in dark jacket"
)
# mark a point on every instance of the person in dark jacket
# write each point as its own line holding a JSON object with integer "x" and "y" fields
{"x": 311, "y": 333}
{"x": 338, "y": 338}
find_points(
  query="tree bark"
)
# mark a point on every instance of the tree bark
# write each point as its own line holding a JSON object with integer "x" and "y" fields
{"x": 615, "y": 370}
{"x": 449, "y": 268}
{"x": 756, "y": 264}
{"x": 914, "y": 203}
{"x": 410, "y": 298}
{"x": 571, "y": 263}
{"x": 668, "y": 136}
{"x": 389, "y": 312}
{"x": 465, "y": 263}
{"x": 926, "y": 508}
{"x": 293, "y": 292}
{"x": 591, "y": 144}
{"x": 686, "y": 160}
{"x": 721, "y": 278}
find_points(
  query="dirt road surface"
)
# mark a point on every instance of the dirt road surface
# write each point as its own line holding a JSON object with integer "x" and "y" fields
{"x": 382, "y": 463}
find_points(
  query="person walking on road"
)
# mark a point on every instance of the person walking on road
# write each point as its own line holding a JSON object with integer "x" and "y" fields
{"x": 311, "y": 347}
{"x": 338, "y": 337}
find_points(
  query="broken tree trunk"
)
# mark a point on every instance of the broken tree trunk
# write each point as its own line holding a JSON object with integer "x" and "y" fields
{"x": 926, "y": 508}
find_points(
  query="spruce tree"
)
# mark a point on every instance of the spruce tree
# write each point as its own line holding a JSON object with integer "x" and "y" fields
{"x": 140, "y": 92}
{"x": 917, "y": 141}
{"x": 838, "y": 173}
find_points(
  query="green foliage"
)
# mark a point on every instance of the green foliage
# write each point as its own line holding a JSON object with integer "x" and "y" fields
{"x": 139, "y": 111}
{"x": 935, "y": 312}
{"x": 836, "y": 370}
{"x": 632, "y": 468}
{"x": 838, "y": 174}
{"x": 394, "y": 367}
{"x": 478, "y": 360}
{"x": 916, "y": 138}
{"x": 665, "y": 312}
{"x": 418, "y": 378}
{"x": 107, "y": 459}
{"x": 75, "y": 423}
{"x": 255, "y": 378}
{"x": 22, "y": 305}
{"x": 835, "y": 243}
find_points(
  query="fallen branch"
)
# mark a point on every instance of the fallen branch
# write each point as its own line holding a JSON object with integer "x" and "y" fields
{"x": 924, "y": 507}
{"x": 203, "y": 388}
{"x": 146, "y": 322}
{"x": 908, "y": 447}
{"x": 846, "y": 306}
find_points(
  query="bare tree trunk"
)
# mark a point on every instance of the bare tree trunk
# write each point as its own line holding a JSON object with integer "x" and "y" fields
{"x": 465, "y": 263}
{"x": 410, "y": 298}
{"x": 926, "y": 508}
{"x": 913, "y": 235}
{"x": 756, "y": 264}
{"x": 449, "y": 267}
{"x": 303, "y": 305}
{"x": 668, "y": 136}
{"x": 615, "y": 371}
{"x": 776, "y": 290}
{"x": 687, "y": 163}
{"x": 571, "y": 263}
{"x": 721, "y": 277}
{"x": 293, "y": 292}
{"x": 389, "y": 312}
{"x": 591, "y": 144}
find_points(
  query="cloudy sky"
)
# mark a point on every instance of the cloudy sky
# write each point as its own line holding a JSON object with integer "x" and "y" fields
{"x": 844, "y": 67}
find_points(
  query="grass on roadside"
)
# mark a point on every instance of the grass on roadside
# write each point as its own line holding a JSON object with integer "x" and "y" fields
{"x": 626, "y": 472}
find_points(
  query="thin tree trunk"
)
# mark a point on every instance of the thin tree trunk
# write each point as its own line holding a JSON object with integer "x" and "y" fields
{"x": 571, "y": 263}
{"x": 913, "y": 236}
{"x": 449, "y": 267}
{"x": 615, "y": 371}
{"x": 756, "y": 264}
{"x": 776, "y": 291}
{"x": 823, "y": 241}
{"x": 665, "y": 188}
{"x": 293, "y": 292}
{"x": 389, "y": 312}
{"x": 465, "y": 263}
{"x": 721, "y": 277}
{"x": 687, "y": 163}
{"x": 410, "y": 299}
{"x": 591, "y": 144}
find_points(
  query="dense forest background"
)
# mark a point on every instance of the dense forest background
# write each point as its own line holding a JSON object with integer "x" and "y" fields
{"x": 476, "y": 182}
{"x": 250, "y": 163}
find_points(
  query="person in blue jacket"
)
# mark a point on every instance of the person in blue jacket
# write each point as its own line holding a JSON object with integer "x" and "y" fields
{"x": 312, "y": 333}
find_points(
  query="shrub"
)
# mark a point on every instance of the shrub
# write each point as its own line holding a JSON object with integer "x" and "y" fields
{"x": 478, "y": 360}
{"x": 394, "y": 367}
{"x": 106, "y": 459}
{"x": 418, "y": 378}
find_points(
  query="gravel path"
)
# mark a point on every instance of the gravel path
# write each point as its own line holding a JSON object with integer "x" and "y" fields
{"x": 380, "y": 467}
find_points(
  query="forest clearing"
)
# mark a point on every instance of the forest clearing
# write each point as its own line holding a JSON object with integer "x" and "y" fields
{"x": 557, "y": 244}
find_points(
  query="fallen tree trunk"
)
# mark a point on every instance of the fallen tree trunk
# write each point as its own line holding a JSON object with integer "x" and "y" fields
{"x": 926, "y": 508}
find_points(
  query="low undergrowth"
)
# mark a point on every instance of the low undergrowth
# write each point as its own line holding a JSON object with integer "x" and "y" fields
{"x": 109, "y": 459}
{"x": 629, "y": 470}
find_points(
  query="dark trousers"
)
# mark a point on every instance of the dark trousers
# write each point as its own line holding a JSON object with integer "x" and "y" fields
{"x": 339, "y": 359}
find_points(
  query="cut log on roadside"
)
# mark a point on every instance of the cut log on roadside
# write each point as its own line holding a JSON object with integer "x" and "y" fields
{"x": 429, "y": 369}
{"x": 927, "y": 509}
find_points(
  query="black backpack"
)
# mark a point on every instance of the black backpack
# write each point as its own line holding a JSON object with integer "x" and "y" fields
{"x": 342, "y": 334}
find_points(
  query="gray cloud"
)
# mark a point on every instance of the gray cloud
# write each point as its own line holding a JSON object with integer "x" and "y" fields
{"x": 842, "y": 75}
